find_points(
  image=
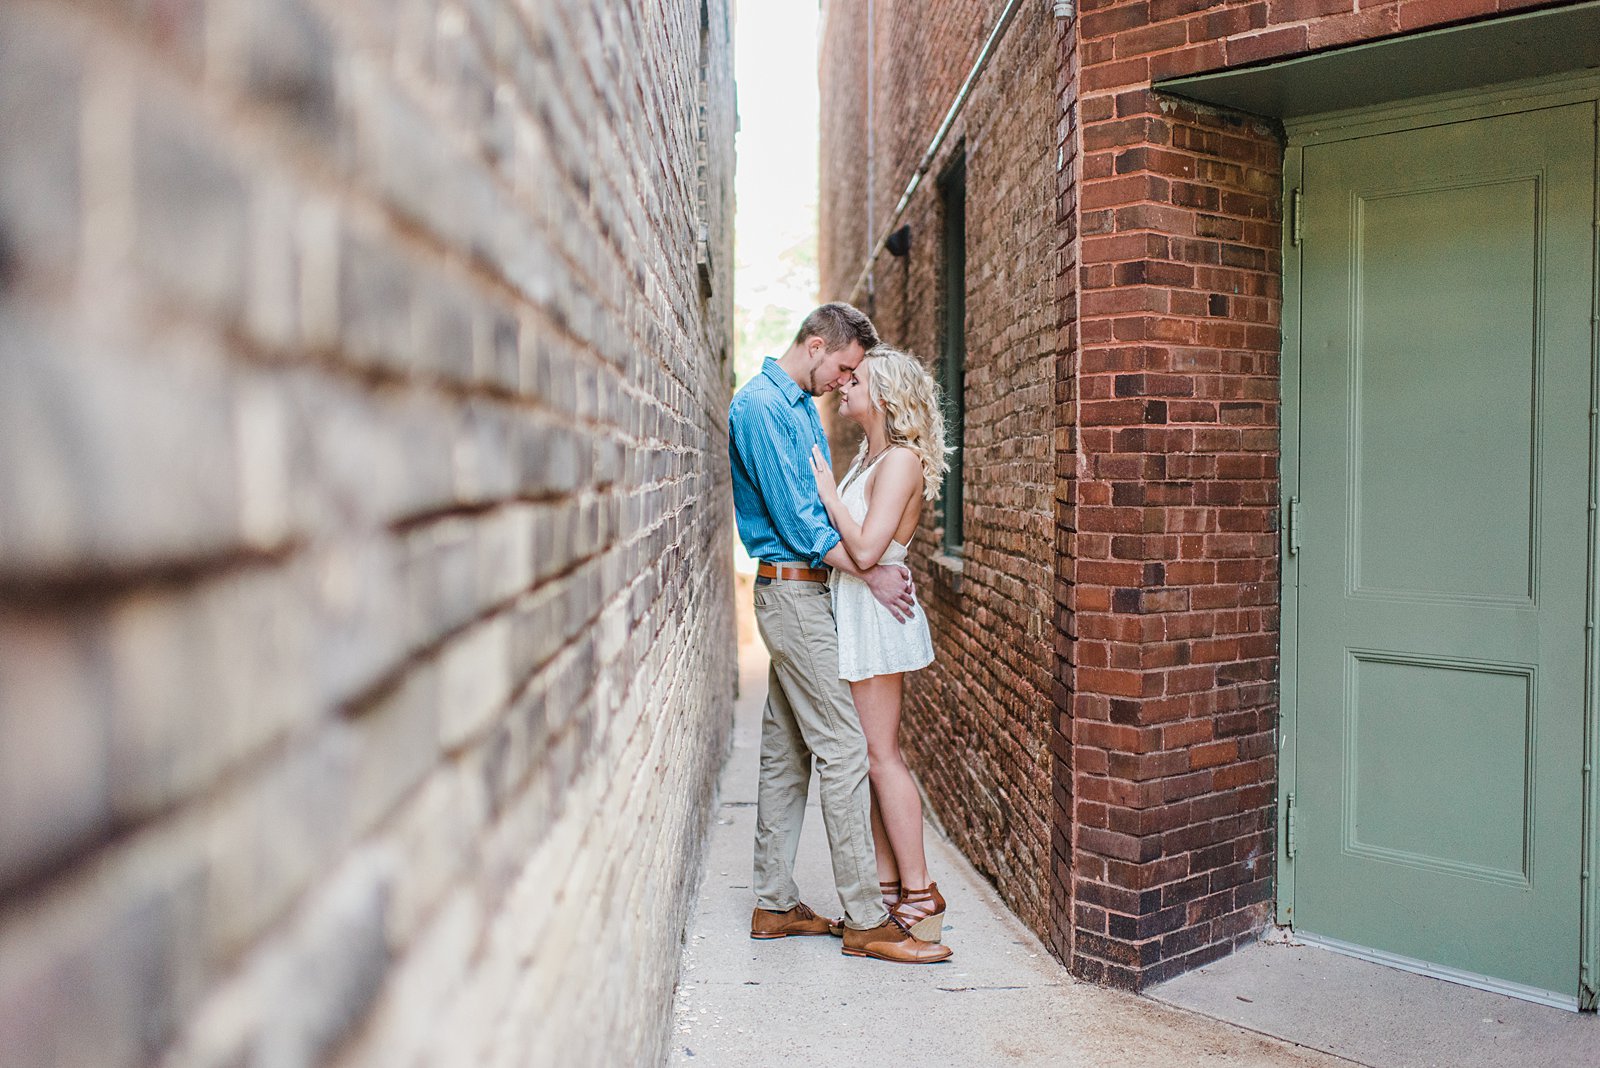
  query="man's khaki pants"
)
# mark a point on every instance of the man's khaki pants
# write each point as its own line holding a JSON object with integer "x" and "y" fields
{"x": 810, "y": 714}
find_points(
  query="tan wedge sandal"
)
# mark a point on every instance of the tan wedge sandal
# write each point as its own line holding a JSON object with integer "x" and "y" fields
{"x": 922, "y": 912}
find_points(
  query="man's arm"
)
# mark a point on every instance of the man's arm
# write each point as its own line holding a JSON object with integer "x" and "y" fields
{"x": 782, "y": 475}
{"x": 890, "y": 584}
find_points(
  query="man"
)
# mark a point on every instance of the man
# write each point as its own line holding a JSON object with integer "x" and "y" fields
{"x": 773, "y": 425}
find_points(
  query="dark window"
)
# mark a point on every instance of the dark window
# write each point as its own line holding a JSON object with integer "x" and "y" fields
{"x": 953, "y": 340}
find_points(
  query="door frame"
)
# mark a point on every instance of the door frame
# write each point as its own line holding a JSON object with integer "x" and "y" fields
{"x": 1414, "y": 114}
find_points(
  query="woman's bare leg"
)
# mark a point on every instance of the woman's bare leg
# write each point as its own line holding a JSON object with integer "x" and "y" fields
{"x": 888, "y": 870}
{"x": 897, "y": 807}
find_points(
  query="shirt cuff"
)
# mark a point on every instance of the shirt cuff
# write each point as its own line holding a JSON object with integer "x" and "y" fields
{"x": 829, "y": 540}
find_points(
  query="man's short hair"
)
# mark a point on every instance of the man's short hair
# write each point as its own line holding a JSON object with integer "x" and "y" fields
{"x": 838, "y": 324}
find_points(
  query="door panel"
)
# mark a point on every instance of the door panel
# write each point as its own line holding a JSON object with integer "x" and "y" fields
{"x": 1447, "y": 279}
{"x": 1407, "y": 806}
{"x": 1422, "y": 303}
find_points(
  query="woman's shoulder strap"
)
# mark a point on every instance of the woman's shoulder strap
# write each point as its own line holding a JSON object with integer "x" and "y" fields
{"x": 882, "y": 459}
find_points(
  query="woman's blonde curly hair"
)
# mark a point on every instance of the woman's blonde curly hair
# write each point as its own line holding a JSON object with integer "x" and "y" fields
{"x": 908, "y": 397}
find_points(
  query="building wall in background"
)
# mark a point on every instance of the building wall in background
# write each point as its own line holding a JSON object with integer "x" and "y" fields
{"x": 365, "y": 607}
{"x": 1116, "y": 771}
{"x": 977, "y": 722}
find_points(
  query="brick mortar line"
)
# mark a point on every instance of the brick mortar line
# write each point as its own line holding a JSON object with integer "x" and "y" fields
{"x": 520, "y": 687}
{"x": 663, "y": 726}
{"x": 58, "y": 880}
{"x": 161, "y": 311}
{"x": 381, "y": 378}
{"x": 96, "y": 582}
{"x": 241, "y": 116}
{"x": 272, "y": 753}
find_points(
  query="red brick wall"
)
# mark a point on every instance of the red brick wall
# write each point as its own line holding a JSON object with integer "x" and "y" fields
{"x": 1169, "y": 550}
{"x": 1150, "y": 278}
{"x": 977, "y": 722}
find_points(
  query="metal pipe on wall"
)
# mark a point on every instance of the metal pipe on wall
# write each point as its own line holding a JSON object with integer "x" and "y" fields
{"x": 978, "y": 67}
{"x": 871, "y": 141}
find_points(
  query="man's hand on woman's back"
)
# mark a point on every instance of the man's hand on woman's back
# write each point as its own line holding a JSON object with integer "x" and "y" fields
{"x": 891, "y": 584}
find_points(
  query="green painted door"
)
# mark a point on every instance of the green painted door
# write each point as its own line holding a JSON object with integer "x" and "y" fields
{"x": 1446, "y": 295}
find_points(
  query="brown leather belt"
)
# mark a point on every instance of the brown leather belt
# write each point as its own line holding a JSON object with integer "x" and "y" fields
{"x": 801, "y": 574}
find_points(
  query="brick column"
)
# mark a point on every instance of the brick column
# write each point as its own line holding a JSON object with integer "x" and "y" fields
{"x": 1171, "y": 551}
{"x": 1061, "y": 926}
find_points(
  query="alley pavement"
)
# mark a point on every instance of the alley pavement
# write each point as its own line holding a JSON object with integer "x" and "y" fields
{"x": 1001, "y": 1000}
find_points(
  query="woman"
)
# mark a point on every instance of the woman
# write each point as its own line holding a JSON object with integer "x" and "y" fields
{"x": 876, "y": 510}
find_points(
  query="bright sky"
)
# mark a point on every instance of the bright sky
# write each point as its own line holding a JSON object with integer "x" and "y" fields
{"x": 775, "y": 64}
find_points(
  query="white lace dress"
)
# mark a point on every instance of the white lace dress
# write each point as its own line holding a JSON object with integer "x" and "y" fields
{"x": 871, "y": 641}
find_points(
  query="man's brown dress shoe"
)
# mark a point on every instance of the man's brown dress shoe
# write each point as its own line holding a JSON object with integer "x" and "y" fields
{"x": 799, "y": 920}
{"x": 892, "y": 942}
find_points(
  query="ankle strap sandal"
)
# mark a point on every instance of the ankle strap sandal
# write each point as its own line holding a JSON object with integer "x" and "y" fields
{"x": 922, "y": 912}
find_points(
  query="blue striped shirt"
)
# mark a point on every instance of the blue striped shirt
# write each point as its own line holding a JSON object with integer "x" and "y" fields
{"x": 772, "y": 424}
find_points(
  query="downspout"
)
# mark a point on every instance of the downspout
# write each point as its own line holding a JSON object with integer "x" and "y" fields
{"x": 872, "y": 136}
{"x": 1061, "y": 8}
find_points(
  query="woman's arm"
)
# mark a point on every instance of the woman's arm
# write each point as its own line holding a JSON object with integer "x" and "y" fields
{"x": 828, "y": 490}
{"x": 898, "y": 478}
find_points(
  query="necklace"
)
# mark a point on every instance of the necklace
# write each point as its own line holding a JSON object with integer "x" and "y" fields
{"x": 859, "y": 471}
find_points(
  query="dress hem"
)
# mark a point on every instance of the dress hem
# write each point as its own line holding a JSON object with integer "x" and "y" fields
{"x": 888, "y": 671}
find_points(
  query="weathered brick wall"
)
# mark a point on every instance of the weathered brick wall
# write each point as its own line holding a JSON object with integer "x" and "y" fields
{"x": 365, "y": 607}
{"x": 1157, "y": 573}
{"x": 977, "y": 722}
{"x": 1171, "y": 555}
{"x": 842, "y": 240}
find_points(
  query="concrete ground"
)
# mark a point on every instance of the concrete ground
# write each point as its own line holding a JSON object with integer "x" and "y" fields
{"x": 1001, "y": 1000}
{"x": 1381, "y": 1016}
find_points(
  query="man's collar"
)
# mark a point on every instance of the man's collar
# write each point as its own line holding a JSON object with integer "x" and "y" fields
{"x": 790, "y": 388}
